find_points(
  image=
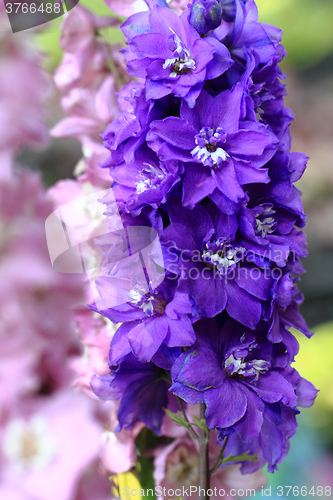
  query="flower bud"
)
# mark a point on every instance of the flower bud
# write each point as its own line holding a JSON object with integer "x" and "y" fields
{"x": 205, "y": 15}
{"x": 228, "y": 10}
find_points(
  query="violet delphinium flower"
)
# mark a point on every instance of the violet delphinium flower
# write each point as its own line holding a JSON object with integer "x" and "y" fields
{"x": 224, "y": 152}
{"x": 200, "y": 153}
{"x": 232, "y": 372}
{"x": 161, "y": 316}
{"x": 140, "y": 176}
{"x": 214, "y": 268}
{"x": 142, "y": 390}
{"x": 172, "y": 57}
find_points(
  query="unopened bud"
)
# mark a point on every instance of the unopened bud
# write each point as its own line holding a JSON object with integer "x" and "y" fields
{"x": 206, "y": 15}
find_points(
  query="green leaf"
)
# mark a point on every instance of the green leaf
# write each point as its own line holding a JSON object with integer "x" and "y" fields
{"x": 245, "y": 457}
{"x": 201, "y": 424}
{"x": 178, "y": 419}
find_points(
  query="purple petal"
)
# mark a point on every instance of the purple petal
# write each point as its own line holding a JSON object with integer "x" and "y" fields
{"x": 146, "y": 337}
{"x": 201, "y": 370}
{"x": 175, "y": 131}
{"x": 225, "y": 405}
{"x": 306, "y": 393}
{"x": 101, "y": 386}
{"x": 249, "y": 313}
{"x": 227, "y": 181}
{"x": 225, "y": 110}
{"x": 249, "y": 143}
{"x": 198, "y": 183}
{"x": 191, "y": 396}
{"x": 120, "y": 346}
{"x": 221, "y": 61}
{"x": 255, "y": 282}
{"x": 249, "y": 426}
{"x": 181, "y": 333}
{"x": 180, "y": 304}
{"x": 208, "y": 292}
{"x": 272, "y": 387}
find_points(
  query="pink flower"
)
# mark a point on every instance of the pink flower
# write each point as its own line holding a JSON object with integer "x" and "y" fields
{"x": 177, "y": 466}
{"x": 129, "y": 7}
{"x": 36, "y": 327}
{"x": 48, "y": 445}
{"x": 94, "y": 484}
{"x": 20, "y": 129}
{"x": 118, "y": 453}
{"x": 85, "y": 62}
{"x": 89, "y": 169}
{"x": 96, "y": 333}
{"x": 89, "y": 111}
{"x": 79, "y": 28}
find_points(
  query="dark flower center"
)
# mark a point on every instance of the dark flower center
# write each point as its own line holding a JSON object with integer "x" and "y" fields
{"x": 179, "y": 68}
{"x": 211, "y": 147}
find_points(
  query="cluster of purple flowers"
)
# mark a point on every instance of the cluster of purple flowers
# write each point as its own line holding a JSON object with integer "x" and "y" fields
{"x": 200, "y": 152}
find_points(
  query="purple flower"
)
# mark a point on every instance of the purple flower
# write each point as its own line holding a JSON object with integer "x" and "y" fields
{"x": 205, "y": 15}
{"x": 272, "y": 444}
{"x": 145, "y": 181}
{"x": 150, "y": 320}
{"x": 142, "y": 390}
{"x": 232, "y": 372}
{"x": 247, "y": 35}
{"x": 279, "y": 425}
{"x": 228, "y": 10}
{"x": 140, "y": 177}
{"x": 200, "y": 159}
{"x": 269, "y": 231}
{"x": 215, "y": 269}
{"x": 221, "y": 151}
{"x": 172, "y": 57}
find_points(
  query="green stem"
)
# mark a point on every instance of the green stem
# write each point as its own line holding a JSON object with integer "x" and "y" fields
{"x": 192, "y": 432}
{"x": 204, "y": 458}
{"x": 219, "y": 460}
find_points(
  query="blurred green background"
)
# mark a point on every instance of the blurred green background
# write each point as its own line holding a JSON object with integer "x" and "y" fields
{"x": 308, "y": 38}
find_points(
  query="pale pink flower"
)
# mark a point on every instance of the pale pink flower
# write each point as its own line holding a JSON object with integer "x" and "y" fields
{"x": 20, "y": 129}
{"x": 79, "y": 28}
{"x": 177, "y": 466}
{"x": 88, "y": 110}
{"x": 129, "y": 7}
{"x": 36, "y": 325}
{"x": 85, "y": 62}
{"x": 81, "y": 68}
{"x": 94, "y": 484}
{"x": 96, "y": 333}
{"x": 48, "y": 444}
{"x": 89, "y": 169}
{"x": 118, "y": 452}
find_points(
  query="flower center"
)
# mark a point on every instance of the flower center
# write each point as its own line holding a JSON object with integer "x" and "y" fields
{"x": 29, "y": 445}
{"x": 149, "y": 303}
{"x": 150, "y": 177}
{"x": 265, "y": 222}
{"x": 247, "y": 369}
{"x": 236, "y": 364}
{"x": 182, "y": 62}
{"x": 222, "y": 255}
{"x": 208, "y": 150}
{"x": 183, "y": 466}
